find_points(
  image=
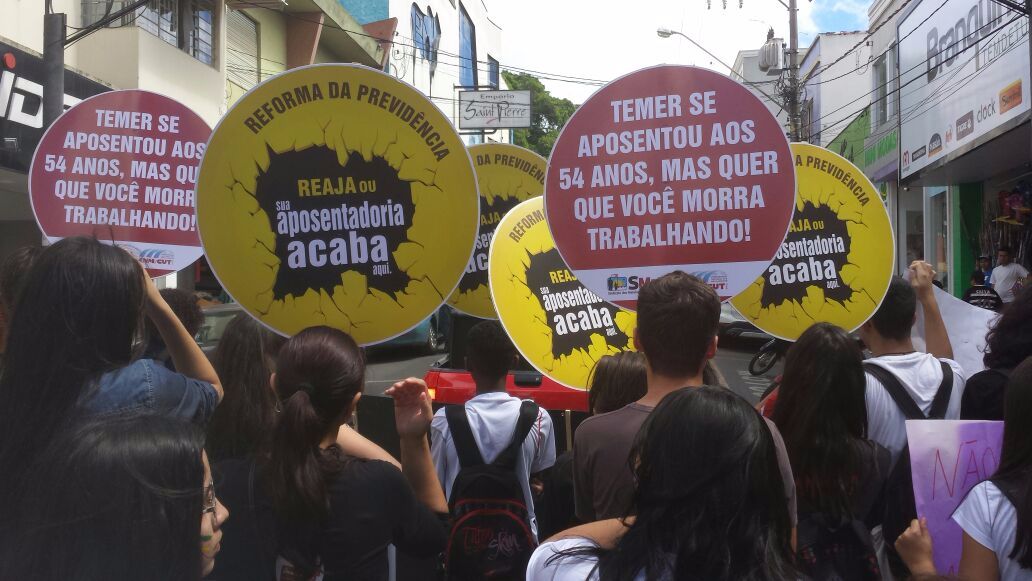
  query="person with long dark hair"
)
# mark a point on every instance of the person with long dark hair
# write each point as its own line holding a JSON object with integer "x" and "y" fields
{"x": 708, "y": 502}
{"x": 13, "y": 269}
{"x": 73, "y": 351}
{"x": 1008, "y": 343}
{"x": 245, "y": 361}
{"x": 118, "y": 498}
{"x": 840, "y": 475}
{"x": 996, "y": 516}
{"x": 616, "y": 380}
{"x": 317, "y": 508}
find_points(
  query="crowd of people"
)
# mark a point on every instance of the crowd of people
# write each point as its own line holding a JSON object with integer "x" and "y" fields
{"x": 127, "y": 454}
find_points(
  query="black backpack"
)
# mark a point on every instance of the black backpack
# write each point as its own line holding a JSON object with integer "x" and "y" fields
{"x": 490, "y": 536}
{"x": 900, "y": 507}
{"x": 836, "y": 550}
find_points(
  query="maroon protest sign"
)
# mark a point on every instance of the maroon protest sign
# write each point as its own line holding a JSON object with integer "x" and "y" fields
{"x": 670, "y": 168}
{"x": 122, "y": 166}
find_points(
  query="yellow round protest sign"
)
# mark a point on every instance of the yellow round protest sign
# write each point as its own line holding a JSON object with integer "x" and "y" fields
{"x": 507, "y": 175}
{"x": 837, "y": 259}
{"x": 558, "y": 325}
{"x": 337, "y": 195}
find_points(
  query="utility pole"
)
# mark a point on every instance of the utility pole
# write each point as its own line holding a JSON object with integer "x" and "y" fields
{"x": 793, "y": 71}
{"x": 55, "y": 40}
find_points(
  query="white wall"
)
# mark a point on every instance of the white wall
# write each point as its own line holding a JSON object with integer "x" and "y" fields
{"x": 747, "y": 65}
{"x": 416, "y": 71}
{"x": 841, "y": 91}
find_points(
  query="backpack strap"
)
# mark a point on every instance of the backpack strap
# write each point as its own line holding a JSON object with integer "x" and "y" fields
{"x": 462, "y": 436}
{"x": 942, "y": 397}
{"x": 903, "y": 400}
{"x": 528, "y": 415}
{"x": 896, "y": 390}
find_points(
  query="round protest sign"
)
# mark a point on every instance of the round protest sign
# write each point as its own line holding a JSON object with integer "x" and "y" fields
{"x": 669, "y": 168}
{"x": 506, "y": 175}
{"x": 560, "y": 327}
{"x": 835, "y": 263}
{"x": 122, "y": 166}
{"x": 337, "y": 195}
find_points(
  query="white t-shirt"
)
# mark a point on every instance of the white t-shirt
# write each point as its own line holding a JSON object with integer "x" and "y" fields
{"x": 990, "y": 519}
{"x": 573, "y": 568}
{"x": 920, "y": 374}
{"x": 1005, "y": 278}
{"x": 492, "y": 418}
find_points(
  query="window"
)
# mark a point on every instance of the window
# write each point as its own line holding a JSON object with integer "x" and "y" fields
{"x": 243, "y": 61}
{"x": 426, "y": 33}
{"x": 467, "y": 50}
{"x": 186, "y": 24}
{"x": 806, "y": 121}
{"x": 492, "y": 72}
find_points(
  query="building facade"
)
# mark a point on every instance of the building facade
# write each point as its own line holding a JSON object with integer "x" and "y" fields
{"x": 834, "y": 78}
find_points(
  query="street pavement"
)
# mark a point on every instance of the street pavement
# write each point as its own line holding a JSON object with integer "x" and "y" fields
{"x": 387, "y": 366}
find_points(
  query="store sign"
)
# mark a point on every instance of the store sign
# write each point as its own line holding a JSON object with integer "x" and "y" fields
{"x": 494, "y": 109}
{"x": 21, "y": 103}
{"x": 670, "y": 168}
{"x": 965, "y": 71}
{"x": 881, "y": 157}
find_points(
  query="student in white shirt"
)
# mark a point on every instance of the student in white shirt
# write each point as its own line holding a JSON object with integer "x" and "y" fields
{"x": 997, "y": 541}
{"x": 887, "y": 335}
{"x": 492, "y": 416}
{"x": 1008, "y": 276}
{"x": 708, "y": 503}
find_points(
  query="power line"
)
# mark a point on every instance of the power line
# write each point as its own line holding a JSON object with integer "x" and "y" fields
{"x": 866, "y": 38}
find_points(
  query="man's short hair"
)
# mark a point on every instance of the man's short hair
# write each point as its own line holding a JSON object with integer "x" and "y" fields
{"x": 895, "y": 317}
{"x": 489, "y": 351}
{"x": 977, "y": 277}
{"x": 678, "y": 315}
{"x": 184, "y": 304}
{"x": 1006, "y": 249}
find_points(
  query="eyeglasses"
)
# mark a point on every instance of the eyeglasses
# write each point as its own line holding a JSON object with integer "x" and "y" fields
{"x": 209, "y": 499}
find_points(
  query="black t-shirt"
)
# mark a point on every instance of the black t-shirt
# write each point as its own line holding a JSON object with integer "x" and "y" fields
{"x": 869, "y": 496}
{"x": 983, "y": 395}
{"x": 371, "y": 506}
{"x": 984, "y": 297}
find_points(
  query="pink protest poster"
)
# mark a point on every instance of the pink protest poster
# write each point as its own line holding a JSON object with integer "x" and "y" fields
{"x": 948, "y": 458}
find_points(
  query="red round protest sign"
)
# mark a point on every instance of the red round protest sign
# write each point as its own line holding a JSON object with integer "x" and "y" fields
{"x": 670, "y": 168}
{"x": 122, "y": 166}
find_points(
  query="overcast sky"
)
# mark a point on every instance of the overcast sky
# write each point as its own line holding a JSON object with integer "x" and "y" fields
{"x": 604, "y": 39}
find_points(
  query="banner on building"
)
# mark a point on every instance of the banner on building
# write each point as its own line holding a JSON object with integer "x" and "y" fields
{"x": 964, "y": 71}
{"x": 948, "y": 458}
{"x": 494, "y": 109}
{"x": 506, "y": 175}
{"x": 836, "y": 262}
{"x": 338, "y": 195}
{"x": 560, "y": 327}
{"x": 122, "y": 166}
{"x": 21, "y": 103}
{"x": 670, "y": 168}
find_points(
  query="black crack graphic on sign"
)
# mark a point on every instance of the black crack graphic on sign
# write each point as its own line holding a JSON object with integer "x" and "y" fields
{"x": 573, "y": 313}
{"x": 490, "y": 215}
{"x": 821, "y": 244}
{"x": 343, "y": 228}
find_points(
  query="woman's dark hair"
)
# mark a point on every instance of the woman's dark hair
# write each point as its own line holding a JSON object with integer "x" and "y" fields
{"x": 78, "y": 316}
{"x": 1009, "y": 342}
{"x": 616, "y": 380}
{"x": 822, "y": 416}
{"x": 244, "y": 359}
{"x": 1015, "y": 467}
{"x": 113, "y": 499}
{"x": 709, "y": 502}
{"x": 318, "y": 373}
{"x": 13, "y": 269}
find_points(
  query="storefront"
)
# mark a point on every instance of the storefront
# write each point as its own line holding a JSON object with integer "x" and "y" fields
{"x": 21, "y": 127}
{"x": 964, "y": 136}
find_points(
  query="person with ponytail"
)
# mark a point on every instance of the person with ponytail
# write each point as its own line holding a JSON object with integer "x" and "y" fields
{"x": 318, "y": 509}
